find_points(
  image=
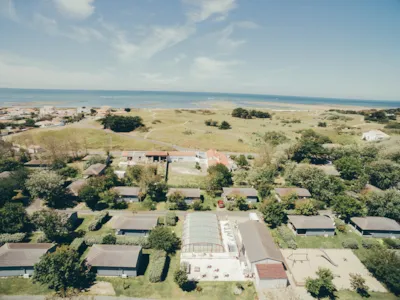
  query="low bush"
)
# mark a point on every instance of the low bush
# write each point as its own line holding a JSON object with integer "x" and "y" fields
{"x": 157, "y": 266}
{"x": 369, "y": 243}
{"x": 161, "y": 220}
{"x": 78, "y": 245}
{"x": 91, "y": 240}
{"x": 132, "y": 240}
{"x": 340, "y": 225}
{"x": 392, "y": 243}
{"x": 11, "y": 238}
{"x": 350, "y": 244}
{"x": 170, "y": 218}
{"x": 98, "y": 221}
{"x": 287, "y": 235}
{"x": 42, "y": 239}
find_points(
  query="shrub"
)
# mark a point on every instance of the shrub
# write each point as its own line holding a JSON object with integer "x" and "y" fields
{"x": 109, "y": 239}
{"x": 42, "y": 239}
{"x": 230, "y": 206}
{"x": 91, "y": 240}
{"x": 369, "y": 243}
{"x": 132, "y": 240}
{"x": 78, "y": 244}
{"x": 98, "y": 221}
{"x": 350, "y": 244}
{"x": 287, "y": 235}
{"x": 292, "y": 244}
{"x": 161, "y": 220}
{"x": 196, "y": 205}
{"x": 12, "y": 238}
{"x": 340, "y": 225}
{"x": 157, "y": 261}
{"x": 170, "y": 218}
{"x": 392, "y": 243}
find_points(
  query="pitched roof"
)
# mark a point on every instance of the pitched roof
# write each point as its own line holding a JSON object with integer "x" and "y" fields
{"x": 113, "y": 256}
{"x": 135, "y": 222}
{"x": 127, "y": 190}
{"x": 181, "y": 153}
{"x": 370, "y": 188}
{"x": 376, "y": 223}
{"x": 214, "y": 157}
{"x": 271, "y": 271}
{"x": 76, "y": 186}
{"x": 376, "y": 133}
{"x": 282, "y": 192}
{"x": 156, "y": 153}
{"x": 95, "y": 169}
{"x": 5, "y": 174}
{"x": 22, "y": 254}
{"x": 191, "y": 193}
{"x": 311, "y": 222}
{"x": 248, "y": 192}
{"x": 258, "y": 242}
{"x": 37, "y": 162}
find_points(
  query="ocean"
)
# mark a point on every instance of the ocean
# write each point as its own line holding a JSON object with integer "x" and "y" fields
{"x": 161, "y": 99}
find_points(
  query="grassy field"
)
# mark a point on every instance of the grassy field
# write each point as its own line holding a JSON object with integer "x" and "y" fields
{"x": 141, "y": 287}
{"x": 21, "y": 286}
{"x": 350, "y": 295}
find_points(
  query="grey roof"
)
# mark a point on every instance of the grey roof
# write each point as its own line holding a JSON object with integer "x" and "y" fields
{"x": 248, "y": 192}
{"x": 376, "y": 223}
{"x": 282, "y": 192}
{"x": 127, "y": 190}
{"x": 311, "y": 222}
{"x": 5, "y": 174}
{"x": 258, "y": 242}
{"x": 22, "y": 254}
{"x": 136, "y": 222}
{"x": 201, "y": 228}
{"x": 113, "y": 256}
{"x": 191, "y": 193}
{"x": 76, "y": 186}
{"x": 95, "y": 169}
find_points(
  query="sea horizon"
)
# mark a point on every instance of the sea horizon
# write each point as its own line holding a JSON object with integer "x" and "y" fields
{"x": 169, "y": 99}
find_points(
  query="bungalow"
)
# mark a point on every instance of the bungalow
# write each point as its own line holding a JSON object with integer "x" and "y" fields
{"x": 189, "y": 194}
{"x": 37, "y": 163}
{"x": 128, "y": 193}
{"x": 134, "y": 225}
{"x": 114, "y": 260}
{"x": 284, "y": 192}
{"x": 182, "y": 156}
{"x": 379, "y": 227}
{"x": 250, "y": 194}
{"x": 156, "y": 155}
{"x": 95, "y": 170}
{"x": 76, "y": 186}
{"x": 312, "y": 225}
{"x": 262, "y": 257}
{"x": 214, "y": 157}
{"x": 374, "y": 135}
{"x": 18, "y": 259}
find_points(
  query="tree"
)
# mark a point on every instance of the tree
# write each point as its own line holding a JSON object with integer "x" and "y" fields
{"x": 384, "y": 204}
{"x": 121, "y": 123}
{"x": 310, "y": 150}
{"x": 384, "y": 174}
{"x": 6, "y": 191}
{"x": 47, "y": 185}
{"x": 178, "y": 200}
{"x": 180, "y": 278}
{"x": 290, "y": 200}
{"x": 9, "y": 164}
{"x": 127, "y": 109}
{"x": 134, "y": 174}
{"x": 30, "y": 122}
{"x": 306, "y": 208}
{"x": 89, "y": 195}
{"x": 13, "y": 218}
{"x": 241, "y": 203}
{"x": 218, "y": 177}
{"x": 224, "y": 125}
{"x": 322, "y": 124}
{"x": 264, "y": 189}
{"x": 349, "y": 167}
{"x": 242, "y": 161}
{"x": 273, "y": 212}
{"x": 322, "y": 286}
{"x": 62, "y": 270}
{"x": 347, "y": 207}
{"x": 109, "y": 198}
{"x": 385, "y": 266}
{"x": 162, "y": 238}
{"x": 357, "y": 283}
{"x": 109, "y": 239}
{"x": 275, "y": 138}
{"x": 55, "y": 225}
{"x": 157, "y": 190}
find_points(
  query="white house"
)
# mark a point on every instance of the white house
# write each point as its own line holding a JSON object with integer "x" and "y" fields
{"x": 83, "y": 110}
{"x": 47, "y": 110}
{"x": 374, "y": 135}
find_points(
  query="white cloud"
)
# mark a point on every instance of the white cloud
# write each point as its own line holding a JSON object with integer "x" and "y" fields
{"x": 84, "y": 34}
{"x": 209, "y": 68}
{"x": 226, "y": 42}
{"x": 76, "y": 9}
{"x": 7, "y": 9}
{"x": 177, "y": 59}
{"x": 158, "y": 78}
{"x": 205, "y": 9}
{"x": 46, "y": 24}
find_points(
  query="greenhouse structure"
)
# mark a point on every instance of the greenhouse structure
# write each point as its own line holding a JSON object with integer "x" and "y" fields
{"x": 201, "y": 234}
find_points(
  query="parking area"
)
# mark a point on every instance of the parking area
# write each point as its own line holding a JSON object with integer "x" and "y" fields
{"x": 303, "y": 263}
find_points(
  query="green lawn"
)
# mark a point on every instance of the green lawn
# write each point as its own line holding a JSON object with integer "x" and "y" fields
{"x": 21, "y": 286}
{"x": 185, "y": 180}
{"x": 351, "y": 295}
{"x": 87, "y": 219}
{"x": 141, "y": 287}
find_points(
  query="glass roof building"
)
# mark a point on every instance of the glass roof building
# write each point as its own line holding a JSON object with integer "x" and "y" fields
{"x": 202, "y": 233}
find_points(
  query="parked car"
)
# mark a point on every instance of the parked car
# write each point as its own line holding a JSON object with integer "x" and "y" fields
{"x": 221, "y": 204}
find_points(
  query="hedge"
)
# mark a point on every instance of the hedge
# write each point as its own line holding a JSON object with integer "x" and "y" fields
{"x": 121, "y": 240}
{"x": 170, "y": 218}
{"x": 369, "y": 243}
{"x": 91, "y": 240}
{"x": 42, "y": 239}
{"x": 392, "y": 243}
{"x": 350, "y": 244}
{"x": 11, "y": 238}
{"x": 287, "y": 235}
{"x": 79, "y": 245}
{"x": 157, "y": 265}
{"x": 98, "y": 221}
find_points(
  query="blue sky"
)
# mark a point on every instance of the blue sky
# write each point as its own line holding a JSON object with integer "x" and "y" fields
{"x": 328, "y": 48}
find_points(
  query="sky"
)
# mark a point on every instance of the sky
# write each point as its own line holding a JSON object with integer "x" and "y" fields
{"x": 321, "y": 48}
